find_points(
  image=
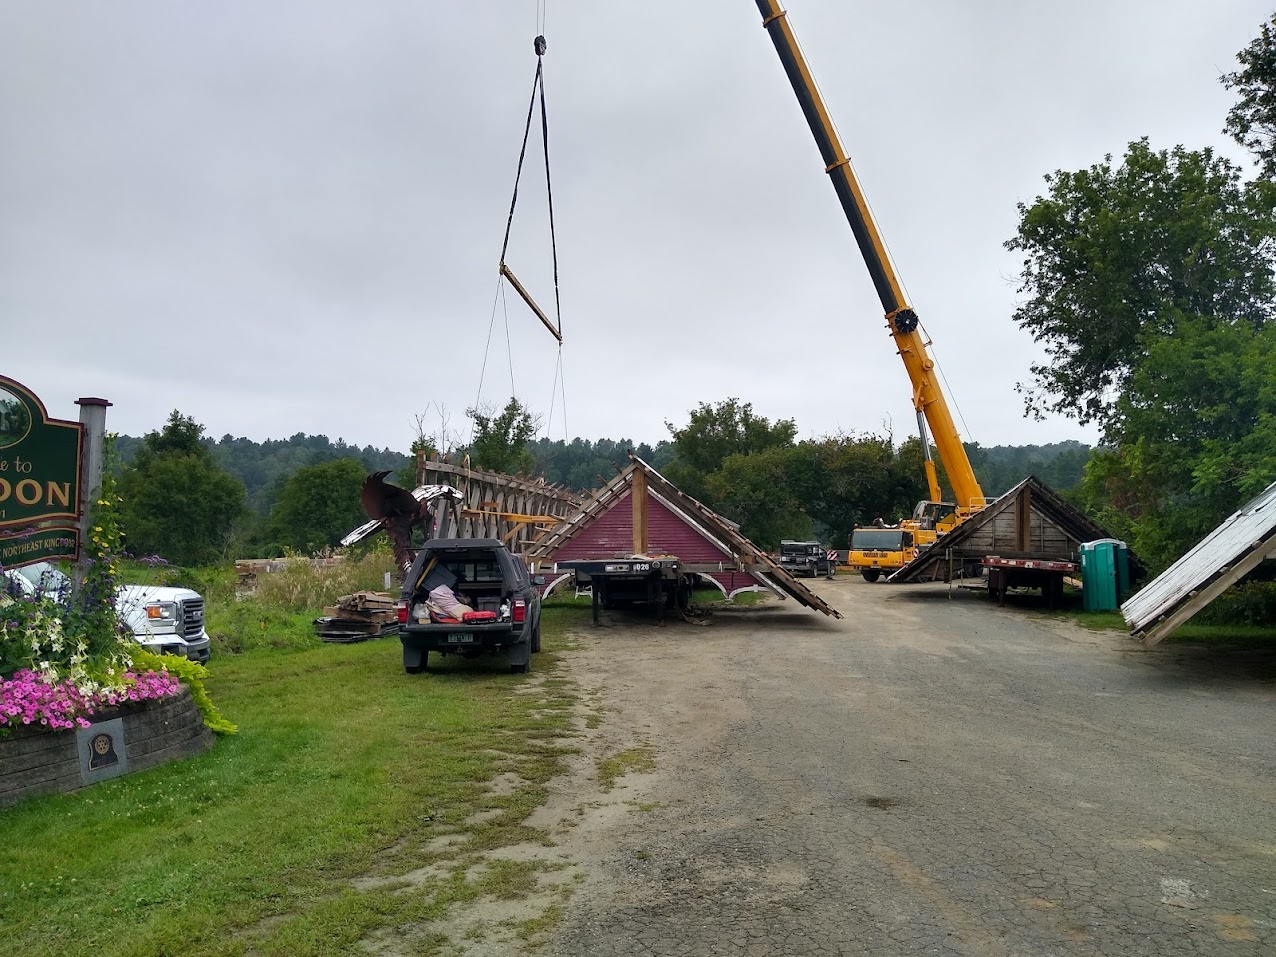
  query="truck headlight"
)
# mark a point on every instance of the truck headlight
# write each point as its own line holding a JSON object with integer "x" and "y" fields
{"x": 162, "y": 611}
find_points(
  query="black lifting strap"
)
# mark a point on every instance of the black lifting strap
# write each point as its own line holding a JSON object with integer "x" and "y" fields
{"x": 538, "y": 87}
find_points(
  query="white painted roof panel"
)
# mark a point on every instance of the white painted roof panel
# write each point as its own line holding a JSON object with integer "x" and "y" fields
{"x": 1248, "y": 529}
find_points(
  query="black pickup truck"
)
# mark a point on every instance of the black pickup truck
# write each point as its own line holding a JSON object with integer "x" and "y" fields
{"x": 806, "y": 558}
{"x": 487, "y": 576}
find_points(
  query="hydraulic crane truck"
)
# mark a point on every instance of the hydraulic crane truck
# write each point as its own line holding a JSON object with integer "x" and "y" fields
{"x": 934, "y": 517}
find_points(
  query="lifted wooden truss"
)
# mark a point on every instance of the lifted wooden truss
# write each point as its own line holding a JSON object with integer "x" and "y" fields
{"x": 515, "y": 509}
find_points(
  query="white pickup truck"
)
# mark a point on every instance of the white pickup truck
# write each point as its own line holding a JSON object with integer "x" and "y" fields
{"x": 163, "y": 620}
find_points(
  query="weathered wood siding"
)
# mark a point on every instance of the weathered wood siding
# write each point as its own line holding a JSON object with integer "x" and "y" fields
{"x": 610, "y": 535}
{"x": 1001, "y": 536}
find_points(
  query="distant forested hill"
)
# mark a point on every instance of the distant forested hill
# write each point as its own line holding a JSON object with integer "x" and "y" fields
{"x": 263, "y": 467}
{"x": 1001, "y": 467}
{"x": 581, "y": 464}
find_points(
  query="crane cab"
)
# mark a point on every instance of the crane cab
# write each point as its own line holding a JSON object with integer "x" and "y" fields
{"x": 932, "y": 519}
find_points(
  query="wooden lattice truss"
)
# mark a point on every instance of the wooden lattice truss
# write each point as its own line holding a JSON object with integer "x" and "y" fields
{"x": 515, "y": 509}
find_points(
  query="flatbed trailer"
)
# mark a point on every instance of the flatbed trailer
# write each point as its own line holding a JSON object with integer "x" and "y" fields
{"x": 1045, "y": 574}
{"x": 649, "y": 581}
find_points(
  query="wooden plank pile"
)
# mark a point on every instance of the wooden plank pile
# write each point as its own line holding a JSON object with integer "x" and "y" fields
{"x": 358, "y": 617}
{"x": 247, "y": 570}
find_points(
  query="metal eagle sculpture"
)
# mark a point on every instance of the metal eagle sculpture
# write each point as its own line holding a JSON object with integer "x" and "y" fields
{"x": 396, "y": 511}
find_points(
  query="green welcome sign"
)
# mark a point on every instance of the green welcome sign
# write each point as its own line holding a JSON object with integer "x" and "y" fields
{"x": 39, "y": 469}
{"x": 39, "y": 545}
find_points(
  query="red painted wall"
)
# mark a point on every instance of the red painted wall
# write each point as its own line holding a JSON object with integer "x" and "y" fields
{"x": 611, "y": 535}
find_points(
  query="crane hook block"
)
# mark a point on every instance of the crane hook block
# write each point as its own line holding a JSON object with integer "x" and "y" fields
{"x": 905, "y": 321}
{"x": 539, "y": 46}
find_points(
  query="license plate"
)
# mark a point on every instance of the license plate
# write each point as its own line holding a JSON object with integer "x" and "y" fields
{"x": 460, "y": 637}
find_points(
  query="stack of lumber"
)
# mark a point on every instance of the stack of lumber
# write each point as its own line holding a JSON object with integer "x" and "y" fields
{"x": 358, "y": 617}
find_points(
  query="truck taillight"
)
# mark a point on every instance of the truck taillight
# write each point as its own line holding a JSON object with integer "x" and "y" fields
{"x": 520, "y": 610}
{"x": 402, "y": 610}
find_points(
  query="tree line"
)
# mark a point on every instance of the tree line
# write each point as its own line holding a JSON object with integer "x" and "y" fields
{"x": 193, "y": 500}
{"x": 1151, "y": 282}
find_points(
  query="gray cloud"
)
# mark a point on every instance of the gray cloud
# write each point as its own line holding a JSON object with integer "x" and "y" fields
{"x": 285, "y": 217}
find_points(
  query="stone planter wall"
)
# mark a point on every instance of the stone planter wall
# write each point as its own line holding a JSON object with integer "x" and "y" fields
{"x": 120, "y": 740}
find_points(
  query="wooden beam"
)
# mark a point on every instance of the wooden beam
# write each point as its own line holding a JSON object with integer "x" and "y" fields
{"x": 638, "y": 497}
{"x": 1023, "y": 520}
{"x": 527, "y": 298}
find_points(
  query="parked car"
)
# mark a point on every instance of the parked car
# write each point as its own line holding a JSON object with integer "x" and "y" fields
{"x": 806, "y": 558}
{"x": 485, "y": 575}
{"x": 163, "y": 620}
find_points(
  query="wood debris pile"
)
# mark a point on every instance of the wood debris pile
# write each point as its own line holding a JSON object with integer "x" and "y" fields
{"x": 358, "y": 617}
{"x": 248, "y": 570}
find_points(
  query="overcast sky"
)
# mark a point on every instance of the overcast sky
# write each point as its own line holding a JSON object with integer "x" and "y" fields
{"x": 287, "y": 217}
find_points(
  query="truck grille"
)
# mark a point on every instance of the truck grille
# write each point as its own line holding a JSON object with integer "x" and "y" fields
{"x": 192, "y": 617}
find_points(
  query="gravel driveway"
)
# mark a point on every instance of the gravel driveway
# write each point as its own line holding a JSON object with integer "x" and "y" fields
{"x": 928, "y": 776}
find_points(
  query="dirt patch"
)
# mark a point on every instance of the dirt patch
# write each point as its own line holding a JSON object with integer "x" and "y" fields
{"x": 613, "y": 779}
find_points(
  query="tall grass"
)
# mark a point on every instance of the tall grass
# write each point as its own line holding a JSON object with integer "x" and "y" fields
{"x": 303, "y": 585}
{"x": 280, "y": 613}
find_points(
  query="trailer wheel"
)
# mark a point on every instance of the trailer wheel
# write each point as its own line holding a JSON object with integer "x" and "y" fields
{"x": 871, "y": 574}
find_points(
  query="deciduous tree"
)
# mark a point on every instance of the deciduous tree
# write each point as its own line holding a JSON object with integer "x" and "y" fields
{"x": 319, "y": 504}
{"x": 1252, "y": 121}
{"x": 177, "y": 503}
{"x": 716, "y": 432}
{"x": 501, "y": 438}
{"x": 1114, "y": 254}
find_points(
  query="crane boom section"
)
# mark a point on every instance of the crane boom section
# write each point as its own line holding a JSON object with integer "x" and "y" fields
{"x": 902, "y": 321}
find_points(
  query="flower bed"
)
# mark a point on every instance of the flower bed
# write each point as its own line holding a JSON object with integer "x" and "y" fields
{"x": 138, "y": 734}
{"x": 31, "y": 698}
{"x": 79, "y": 700}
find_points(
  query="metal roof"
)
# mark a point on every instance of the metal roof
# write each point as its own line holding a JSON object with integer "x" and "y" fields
{"x": 1221, "y": 558}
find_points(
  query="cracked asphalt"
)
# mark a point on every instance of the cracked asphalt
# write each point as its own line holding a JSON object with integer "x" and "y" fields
{"x": 928, "y": 776}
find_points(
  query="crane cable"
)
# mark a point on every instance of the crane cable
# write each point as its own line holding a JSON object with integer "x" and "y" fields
{"x": 930, "y": 343}
{"x": 538, "y": 92}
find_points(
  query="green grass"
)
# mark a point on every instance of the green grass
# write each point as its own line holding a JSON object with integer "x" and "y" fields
{"x": 611, "y": 769}
{"x": 1237, "y": 635}
{"x": 711, "y": 596}
{"x": 1094, "y": 620}
{"x": 343, "y": 767}
{"x": 236, "y": 627}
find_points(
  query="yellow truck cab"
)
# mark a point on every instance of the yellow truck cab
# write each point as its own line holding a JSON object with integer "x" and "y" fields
{"x": 885, "y": 548}
{"x": 878, "y": 549}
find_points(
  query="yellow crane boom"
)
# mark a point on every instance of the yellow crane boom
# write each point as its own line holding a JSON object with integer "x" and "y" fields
{"x": 901, "y": 320}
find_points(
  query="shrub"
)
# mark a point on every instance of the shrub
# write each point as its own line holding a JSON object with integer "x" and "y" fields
{"x": 281, "y": 612}
{"x": 191, "y": 674}
{"x": 1249, "y": 603}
